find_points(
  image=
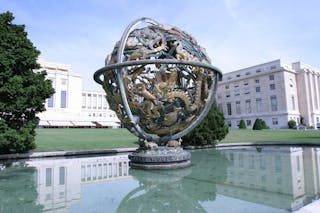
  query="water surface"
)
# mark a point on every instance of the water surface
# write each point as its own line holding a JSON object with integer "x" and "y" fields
{"x": 249, "y": 179}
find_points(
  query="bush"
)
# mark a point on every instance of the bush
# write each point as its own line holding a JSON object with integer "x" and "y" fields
{"x": 292, "y": 124}
{"x": 263, "y": 124}
{"x": 209, "y": 131}
{"x": 257, "y": 124}
{"x": 242, "y": 124}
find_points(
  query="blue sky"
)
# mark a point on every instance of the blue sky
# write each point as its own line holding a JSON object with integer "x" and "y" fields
{"x": 236, "y": 33}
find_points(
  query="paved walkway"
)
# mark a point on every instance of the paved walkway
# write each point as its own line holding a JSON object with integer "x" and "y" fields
{"x": 127, "y": 150}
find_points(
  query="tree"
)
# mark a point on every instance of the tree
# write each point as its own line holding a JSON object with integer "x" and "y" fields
{"x": 242, "y": 124}
{"x": 22, "y": 90}
{"x": 209, "y": 131}
{"x": 292, "y": 124}
{"x": 257, "y": 124}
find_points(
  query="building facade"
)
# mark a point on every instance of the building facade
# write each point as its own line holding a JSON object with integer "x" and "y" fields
{"x": 70, "y": 106}
{"x": 275, "y": 91}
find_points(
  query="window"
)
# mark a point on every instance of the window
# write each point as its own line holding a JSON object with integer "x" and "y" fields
{"x": 272, "y": 86}
{"x": 50, "y": 101}
{"x": 240, "y": 160}
{"x": 238, "y": 108}
{"x": 100, "y": 101}
{"x": 104, "y": 102}
{"x": 258, "y": 89}
{"x": 278, "y": 164}
{"x": 83, "y": 100}
{"x": 63, "y": 102}
{"x": 263, "y": 163}
{"x": 235, "y": 86}
{"x": 271, "y": 77}
{"x": 229, "y": 123}
{"x": 229, "y": 110}
{"x": 293, "y": 103}
{"x": 48, "y": 176}
{"x": 258, "y": 70}
{"x": 227, "y": 86}
{"x": 248, "y": 122}
{"x": 259, "y": 104}
{"x": 248, "y": 73}
{"x": 83, "y": 173}
{"x": 89, "y": 101}
{"x": 62, "y": 175}
{"x": 228, "y": 95}
{"x": 237, "y": 94}
{"x": 245, "y": 83}
{"x": 220, "y": 107}
{"x": 274, "y": 103}
{"x": 231, "y": 158}
{"x": 248, "y": 106}
{"x": 94, "y": 101}
{"x": 238, "y": 75}
{"x": 274, "y": 121}
{"x": 273, "y": 67}
{"x": 251, "y": 162}
{"x": 257, "y": 81}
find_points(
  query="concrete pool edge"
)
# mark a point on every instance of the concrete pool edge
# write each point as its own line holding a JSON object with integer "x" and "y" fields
{"x": 127, "y": 150}
{"x": 66, "y": 153}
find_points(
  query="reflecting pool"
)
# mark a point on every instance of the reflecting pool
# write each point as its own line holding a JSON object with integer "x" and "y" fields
{"x": 246, "y": 179}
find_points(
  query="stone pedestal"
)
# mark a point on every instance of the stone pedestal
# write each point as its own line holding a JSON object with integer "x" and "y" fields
{"x": 161, "y": 157}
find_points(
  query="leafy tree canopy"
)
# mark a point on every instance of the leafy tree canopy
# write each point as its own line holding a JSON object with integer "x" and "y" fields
{"x": 22, "y": 90}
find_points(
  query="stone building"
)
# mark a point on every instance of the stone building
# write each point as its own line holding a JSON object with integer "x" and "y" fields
{"x": 275, "y": 91}
{"x": 71, "y": 106}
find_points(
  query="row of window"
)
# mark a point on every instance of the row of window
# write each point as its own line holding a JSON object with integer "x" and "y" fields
{"x": 94, "y": 101}
{"x": 248, "y": 106}
{"x": 104, "y": 171}
{"x": 63, "y": 100}
{"x": 101, "y": 115}
{"x": 252, "y": 161}
{"x": 49, "y": 176}
{"x": 249, "y": 122}
{"x": 246, "y": 83}
{"x": 249, "y": 73}
{"x": 63, "y": 81}
{"x": 258, "y": 89}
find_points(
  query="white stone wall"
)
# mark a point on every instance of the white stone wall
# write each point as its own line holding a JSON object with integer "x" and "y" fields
{"x": 295, "y": 88}
{"x": 74, "y": 112}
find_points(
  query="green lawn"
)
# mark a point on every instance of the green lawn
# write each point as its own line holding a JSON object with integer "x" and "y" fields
{"x": 272, "y": 136}
{"x": 83, "y": 139}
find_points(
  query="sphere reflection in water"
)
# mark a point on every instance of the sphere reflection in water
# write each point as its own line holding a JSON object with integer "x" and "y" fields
{"x": 180, "y": 190}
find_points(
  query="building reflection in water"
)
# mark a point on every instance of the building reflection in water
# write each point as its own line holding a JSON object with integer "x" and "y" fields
{"x": 59, "y": 180}
{"x": 281, "y": 177}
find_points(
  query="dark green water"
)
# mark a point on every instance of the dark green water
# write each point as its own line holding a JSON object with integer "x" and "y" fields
{"x": 249, "y": 179}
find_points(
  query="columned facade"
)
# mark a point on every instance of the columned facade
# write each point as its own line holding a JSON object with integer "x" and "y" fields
{"x": 70, "y": 106}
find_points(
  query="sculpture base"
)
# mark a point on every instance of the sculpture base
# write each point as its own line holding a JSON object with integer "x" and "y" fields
{"x": 161, "y": 157}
